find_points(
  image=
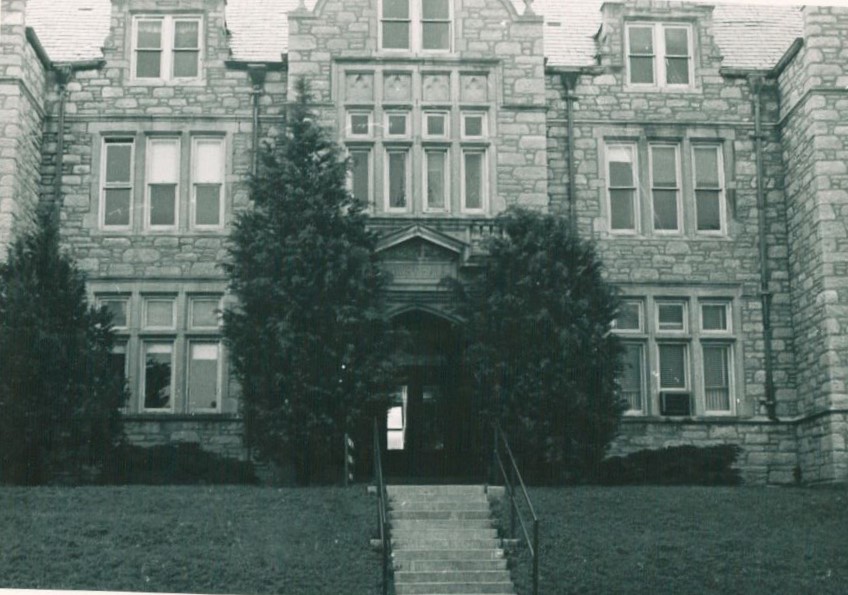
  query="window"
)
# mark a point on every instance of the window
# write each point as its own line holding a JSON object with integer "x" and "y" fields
{"x": 159, "y": 313}
{"x": 116, "y": 196}
{"x": 436, "y": 184}
{"x": 473, "y": 179}
{"x": 118, "y": 359}
{"x": 673, "y": 367}
{"x": 163, "y": 175}
{"x": 474, "y": 125}
{"x": 158, "y": 377}
{"x": 659, "y": 54}
{"x": 435, "y": 124}
{"x": 424, "y": 25}
{"x": 395, "y": 421}
{"x": 207, "y": 179}
{"x": 118, "y": 308}
{"x": 359, "y": 124}
{"x": 360, "y": 172}
{"x": 397, "y": 124}
{"x": 166, "y": 48}
{"x": 205, "y": 312}
{"x": 665, "y": 188}
{"x": 397, "y": 180}
{"x": 204, "y": 372}
{"x": 621, "y": 182}
{"x": 708, "y": 189}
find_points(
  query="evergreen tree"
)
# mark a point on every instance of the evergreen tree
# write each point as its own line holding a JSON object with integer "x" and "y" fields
{"x": 59, "y": 394}
{"x": 545, "y": 362}
{"x": 307, "y": 336}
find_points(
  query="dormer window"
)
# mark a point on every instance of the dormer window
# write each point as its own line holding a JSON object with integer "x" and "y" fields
{"x": 416, "y": 25}
{"x": 166, "y": 48}
{"x": 659, "y": 54}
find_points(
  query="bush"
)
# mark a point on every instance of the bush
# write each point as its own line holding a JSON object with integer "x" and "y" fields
{"x": 182, "y": 463}
{"x": 59, "y": 392}
{"x": 674, "y": 465}
{"x": 540, "y": 347}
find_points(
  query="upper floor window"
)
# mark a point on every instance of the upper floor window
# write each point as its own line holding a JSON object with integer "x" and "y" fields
{"x": 416, "y": 25}
{"x": 166, "y": 47}
{"x": 659, "y": 54}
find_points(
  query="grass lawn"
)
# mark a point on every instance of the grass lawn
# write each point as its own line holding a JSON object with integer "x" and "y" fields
{"x": 189, "y": 539}
{"x": 680, "y": 540}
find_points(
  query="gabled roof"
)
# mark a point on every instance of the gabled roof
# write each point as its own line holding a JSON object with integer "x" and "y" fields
{"x": 750, "y": 36}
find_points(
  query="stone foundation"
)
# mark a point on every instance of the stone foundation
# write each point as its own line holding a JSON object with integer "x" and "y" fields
{"x": 216, "y": 434}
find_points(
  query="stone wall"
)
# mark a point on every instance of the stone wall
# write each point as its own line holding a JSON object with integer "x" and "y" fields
{"x": 814, "y": 111}
{"x": 217, "y": 434}
{"x": 22, "y": 81}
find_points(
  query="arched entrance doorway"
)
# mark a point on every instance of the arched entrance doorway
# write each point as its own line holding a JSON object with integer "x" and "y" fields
{"x": 429, "y": 429}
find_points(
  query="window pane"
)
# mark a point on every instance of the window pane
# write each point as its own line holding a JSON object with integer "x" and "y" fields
{"x": 641, "y": 40}
{"x": 397, "y": 180}
{"x": 435, "y": 36}
{"x": 359, "y": 124}
{"x": 149, "y": 34}
{"x": 185, "y": 64}
{"x": 208, "y": 161}
{"x": 118, "y": 360}
{"x": 117, "y": 308}
{"x": 621, "y": 174}
{"x": 118, "y": 162}
{"x": 622, "y": 215}
{"x": 670, "y": 316}
{"x": 436, "y": 179}
{"x": 708, "y": 207}
{"x": 360, "y": 169}
{"x": 207, "y": 207}
{"x": 116, "y": 205}
{"x": 203, "y": 376}
{"x": 147, "y": 64}
{"x": 186, "y": 35}
{"x": 204, "y": 312}
{"x": 628, "y": 318}
{"x": 164, "y": 161}
{"x": 435, "y": 125}
{"x": 716, "y": 378}
{"x": 473, "y": 180}
{"x": 473, "y": 125}
{"x": 160, "y": 313}
{"x": 397, "y": 124}
{"x": 714, "y": 317}
{"x": 157, "y": 375}
{"x": 395, "y": 35}
{"x": 676, "y": 42}
{"x": 163, "y": 208}
{"x": 641, "y": 70}
{"x": 664, "y": 162}
{"x": 672, "y": 366}
{"x": 665, "y": 209}
{"x": 706, "y": 168}
{"x": 677, "y": 71}
{"x": 631, "y": 376}
{"x": 395, "y": 9}
{"x": 435, "y": 9}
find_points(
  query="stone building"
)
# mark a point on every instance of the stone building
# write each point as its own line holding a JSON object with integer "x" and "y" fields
{"x": 702, "y": 146}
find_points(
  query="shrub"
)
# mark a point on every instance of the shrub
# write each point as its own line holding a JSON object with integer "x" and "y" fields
{"x": 544, "y": 360}
{"x": 59, "y": 393}
{"x": 182, "y": 463}
{"x": 674, "y": 465}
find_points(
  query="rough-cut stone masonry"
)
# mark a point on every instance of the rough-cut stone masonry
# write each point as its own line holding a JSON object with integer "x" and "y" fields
{"x": 814, "y": 117}
{"x": 21, "y": 120}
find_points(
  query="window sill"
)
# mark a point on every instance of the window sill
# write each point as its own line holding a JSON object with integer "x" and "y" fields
{"x": 206, "y": 416}
{"x": 198, "y": 82}
{"x": 663, "y": 89}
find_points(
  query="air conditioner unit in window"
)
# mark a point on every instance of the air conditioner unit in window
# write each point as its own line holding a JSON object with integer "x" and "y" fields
{"x": 675, "y": 404}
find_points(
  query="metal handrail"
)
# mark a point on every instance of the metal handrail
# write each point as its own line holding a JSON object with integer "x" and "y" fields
{"x": 509, "y": 483}
{"x": 382, "y": 508}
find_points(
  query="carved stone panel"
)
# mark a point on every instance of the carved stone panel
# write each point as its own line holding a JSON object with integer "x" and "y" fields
{"x": 474, "y": 87}
{"x": 397, "y": 86}
{"x": 359, "y": 87}
{"x": 419, "y": 262}
{"x": 436, "y": 87}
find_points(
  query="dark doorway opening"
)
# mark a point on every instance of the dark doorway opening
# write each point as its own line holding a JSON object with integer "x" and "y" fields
{"x": 429, "y": 431}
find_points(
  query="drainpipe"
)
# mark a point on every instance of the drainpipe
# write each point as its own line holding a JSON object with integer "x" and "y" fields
{"x": 257, "y": 78}
{"x": 569, "y": 83}
{"x": 769, "y": 400}
{"x": 63, "y": 74}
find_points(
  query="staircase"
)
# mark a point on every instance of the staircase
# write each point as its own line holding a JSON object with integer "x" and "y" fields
{"x": 444, "y": 541}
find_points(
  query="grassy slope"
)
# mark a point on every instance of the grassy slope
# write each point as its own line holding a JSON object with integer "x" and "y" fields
{"x": 645, "y": 540}
{"x": 189, "y": 539}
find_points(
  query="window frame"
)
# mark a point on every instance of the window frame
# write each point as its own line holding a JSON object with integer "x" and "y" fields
{"x": 145, "y": 318}
{"x": 221, "y": 142}
{"x": 484, "y": 182}
{"x": 728, "y": 317}
{"x": 118, "y": 140}
{"x": 147, "y": 341}
{"x": 148, "y": 182}
{"x": 484, "y": 125}
{"x": 728, "y": 347}
{"x": 191, "y": 341}
{"x": 446, "y": 175}
{"x": 388, "y": 114}
{"x": 643, "y": 379}
{"x": 104, "y": 297}
{"x": 722, "y": 201}
{"x": 684, "y": 305}
{"x": 349, "y": 129}
{"x": 416, "y": 22}
{"x": 678, "y": 188}
{"x": 659, "y": 55}
{"x": 633, "y": 148}
{"x": 425, "y": 124}
{"x": 368, "y": 151}
{"x": 167, "y": 47}
{"x": 640, "y": 311}
{"x": 407, "y": 153}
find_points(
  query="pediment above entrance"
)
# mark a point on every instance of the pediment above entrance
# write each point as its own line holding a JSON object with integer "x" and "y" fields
{"x": 418, "y": 255}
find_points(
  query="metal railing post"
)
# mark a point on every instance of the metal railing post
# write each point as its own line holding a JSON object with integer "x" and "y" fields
{"x": 512, "y": 503}
{"x": 536, "y": 557}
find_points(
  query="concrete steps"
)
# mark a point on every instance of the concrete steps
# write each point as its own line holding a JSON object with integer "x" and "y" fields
{"x": 444, "y": 541}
